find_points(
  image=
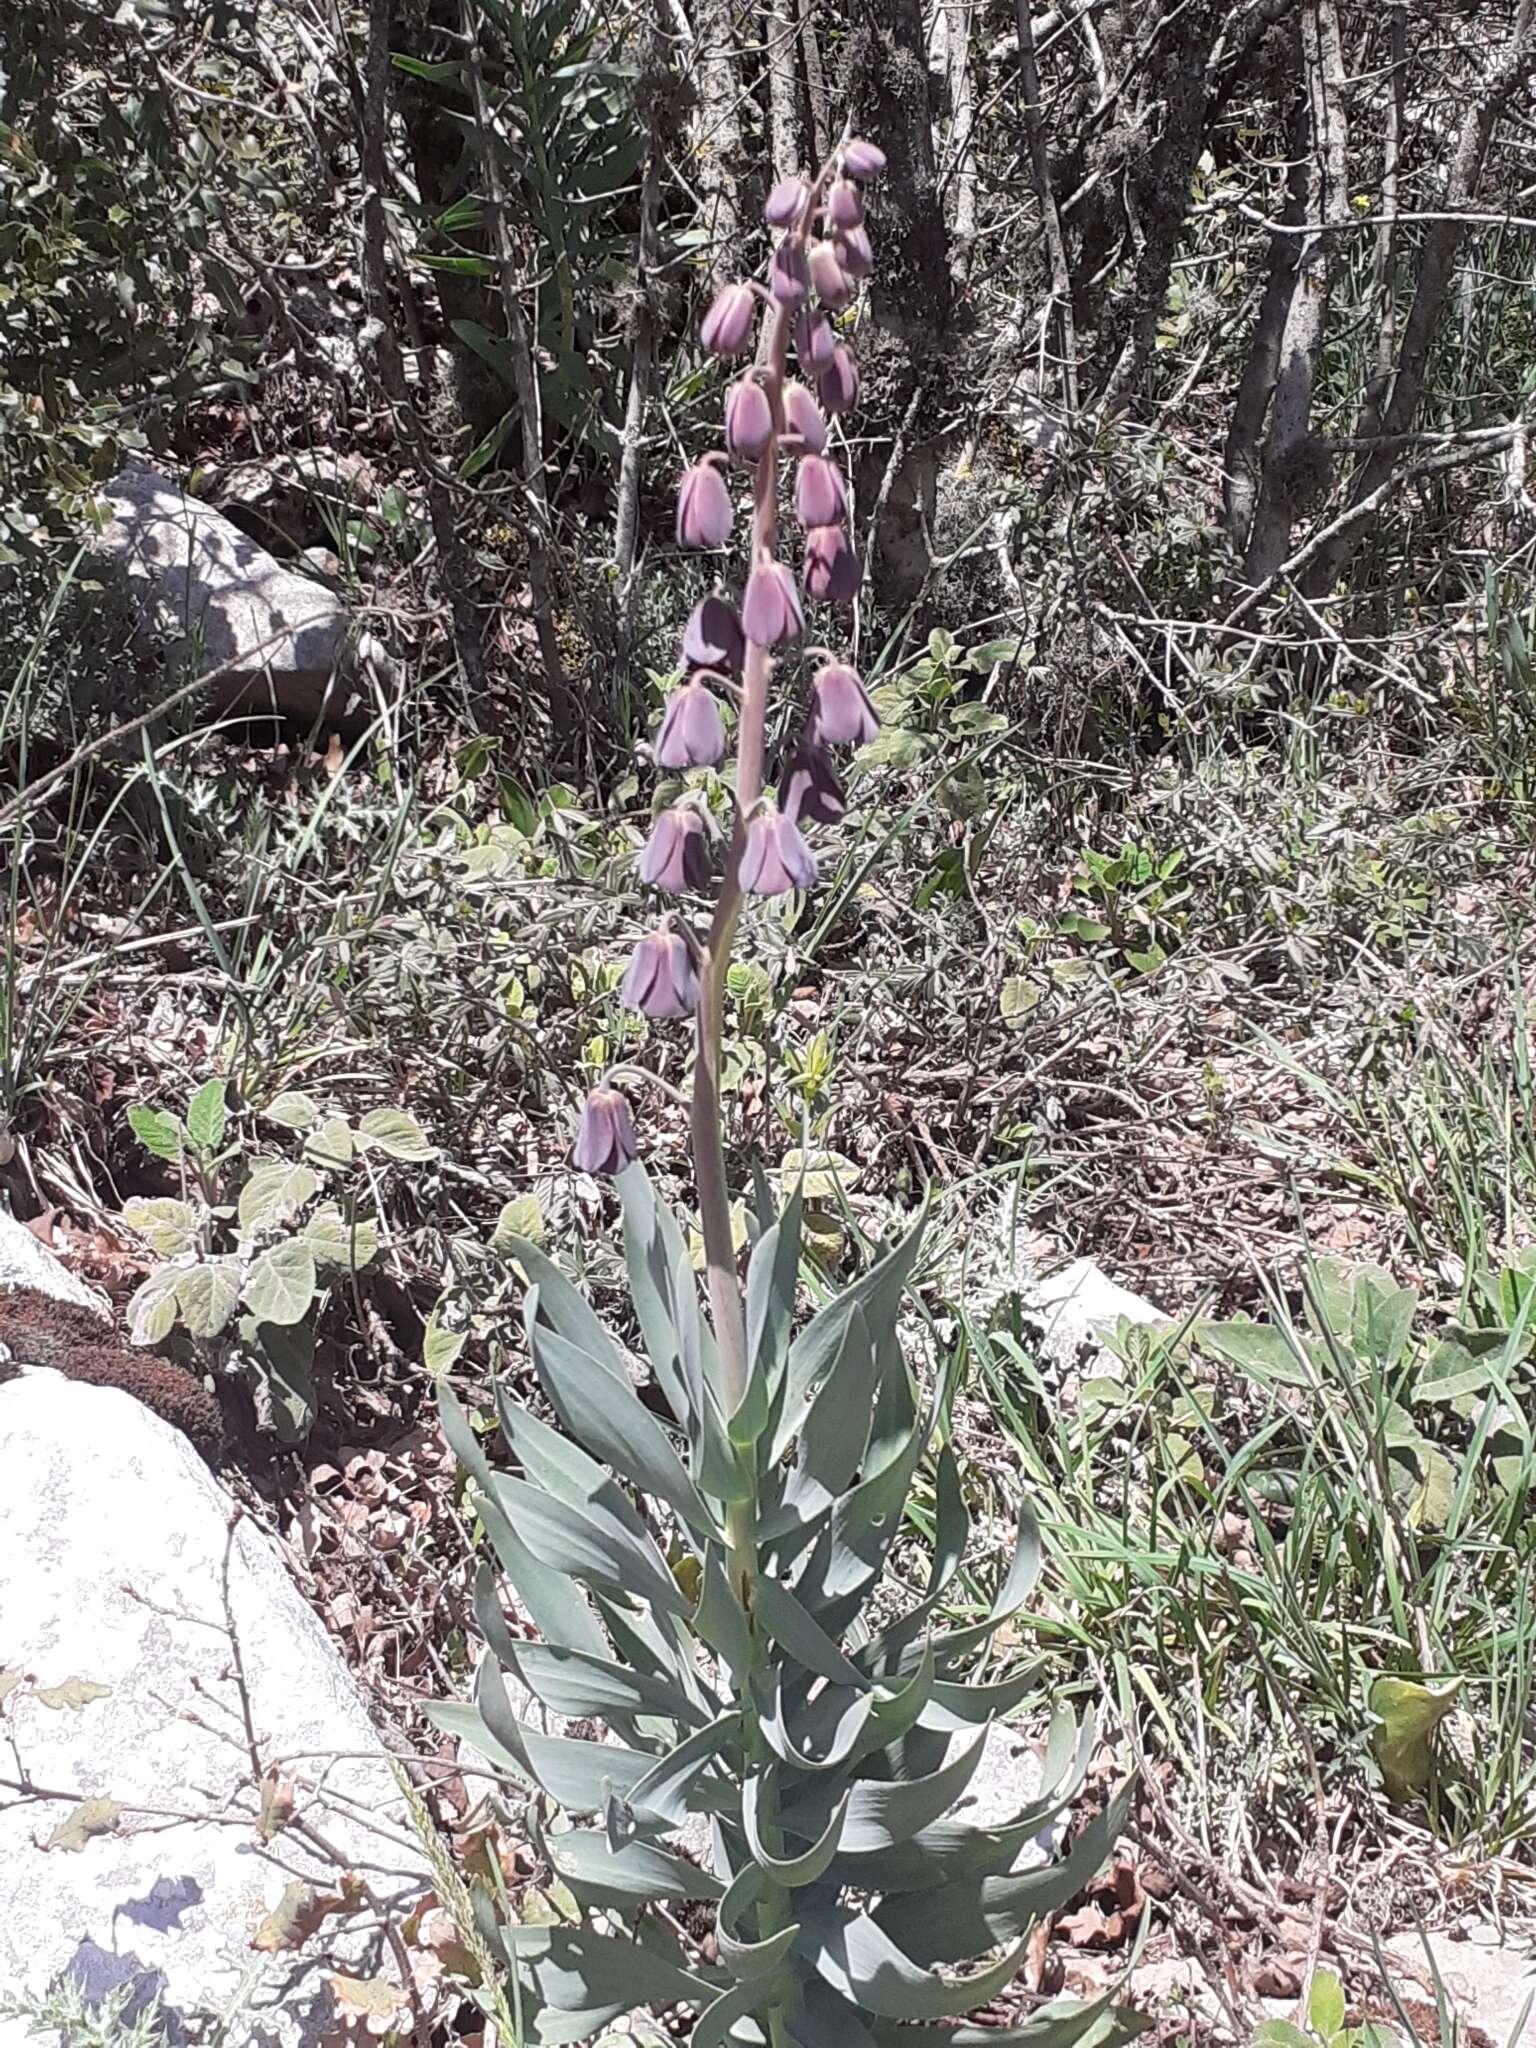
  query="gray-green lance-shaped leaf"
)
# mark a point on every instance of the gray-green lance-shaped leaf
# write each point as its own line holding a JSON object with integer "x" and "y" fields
{"x": 719, "y": 1621}
{"x": 853, "y": 1953}
{"x": 651, "y": 1285}
{"x": 579, "y": 1776}
{"x": 593, "y": 1978}
{"x": 822, "y": 1735}
{"x": 836, "y": 1427}
{"x": 580, "y": 1687}
{"x": 566, "y": 1538}
{"x": 1064, "y": 2023}
{"x": 553, "y": 1600}
{"x": 974, "y": 1914}
{"x": 678, "y": 1784}
{"x": 806, "y": 1641}
{"x": 716, "y": 2026}
{"x": 633, "y": 1873}
{"x": 878, "y": 1294}
{"x": 603, "y": 1412}
{"x": 559, "y": 1305}
{"x": 886, "y": 1651}
{"x": 790, "y": 1871}
{"x": 773, "y": 1274}
{"x": 881, "y": 1815}
{"x": 865, "y": 1522}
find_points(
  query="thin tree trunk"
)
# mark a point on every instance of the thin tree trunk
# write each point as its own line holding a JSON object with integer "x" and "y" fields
{"x": 564, "y": 711}
{"x": 781, "y": 36}
{"x": 717, "y": 131}
{"x": 1369, "y": 423}
{"x": 1286, "y": 475}
{"x": 816, "y": 82}
{"x": 1050, "y": 217}
{"x": 457, "y": 568}
{"x": 962, "y": 151}
{"x": 1437, "y": 265}
{"x": 1244, "y": 462}
{"x": 643, "y": 345}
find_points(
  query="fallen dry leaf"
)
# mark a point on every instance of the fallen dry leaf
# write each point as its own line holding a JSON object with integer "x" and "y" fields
{"x": 300, "y": 1911}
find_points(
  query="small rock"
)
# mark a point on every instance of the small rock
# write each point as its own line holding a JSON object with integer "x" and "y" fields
{"x": 1074, "y": 1309}
{"x": 212, "y": 596}
{"x": 25, "y": 1262}
{"x": 290, "y": 503}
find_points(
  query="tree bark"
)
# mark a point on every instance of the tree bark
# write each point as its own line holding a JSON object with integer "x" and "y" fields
{"x": 717, "y": 138}
{"x": 1288, "y": 471}
{"x": 815, "y": 82}
{"x": 1442, "y": 240}
{"x": 781, "y": 36}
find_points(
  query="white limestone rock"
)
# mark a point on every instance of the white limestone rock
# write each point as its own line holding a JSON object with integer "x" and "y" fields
{"x": 1074, "y": 1310}
{"x": 124, "y": 1564}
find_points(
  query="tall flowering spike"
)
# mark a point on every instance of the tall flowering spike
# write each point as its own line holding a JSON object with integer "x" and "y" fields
{"x": 837, "y": 385}
{"x": 803, "y": 417}
{"x": 863, "y": 161}
{"x": 770, "y": 611}
{"x": 605, "y": 1137}
{"x": 676, "y": 856}
{"x": 809, "y": 790}
{"x": 713, "y": 637}
{"x": 659, "y": 980}
{"x": 692, "y": 731}
{"x": 788, "y": 278}
{"x": 845, "y": 204}
{"x": 830, "y": 568}
{"x": 841, "y": 713}
{"x": 748, "y": 419}
{"x": 727, "y": 326}
{"x": 704, "y": 512}
{"x": 832, "y": 284}
{"x": 820, "y": 499}
{"x": 786, "y": 202}
{"x": 775, "y": 858}
{"x": 815, "y": 343}
{"x": 854, "y": 251}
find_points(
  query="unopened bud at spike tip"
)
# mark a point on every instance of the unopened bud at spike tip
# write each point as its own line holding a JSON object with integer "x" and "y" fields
{"x": 788, "y": 278}
{"x": 831, "y": 568}
{"x": 704, "y": 512}
{"x": 775, "y": 858}
{"x": 713, "y": 637}
{"x": 838, "y": 384}
{"x": 676, "y": 856}
{"x": 727, "y": 326}
{"x": 832, "y": 284}
{"x": 841, "y": 712}
{"x": 845, "y": 204}
{"x": 770, "y": 610}
{"x": 803, "y": 417}
{"x": 605, "y": 1137}
{"x": 786, "y": 202}
{"x": 748, "y": 419}
{"x": 660, "y": 980}
{"x": 862, "y": 160}
{"x": 820, "y": 499}
{"x": 692, "y": 731}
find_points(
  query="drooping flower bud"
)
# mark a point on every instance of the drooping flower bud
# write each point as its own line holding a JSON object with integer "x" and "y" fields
{"x": 704, "y": 513}
{"x": 775, "y": 858}
{"x": 833, "y": 285}
{"x": 841, "y": 713}
{"x": 692, "y": 731}
{"x": 862, "y": 160}
{"x": 676, "y": 856}
{"x": 748, "y": 419}
{"x": 802, "y": 416}
{"x": 809, "y": 790}
{"x": 770, "y": 610}
{"x": 820, "y": 499}
{"x": 838, "y": 384}
{"x": 659, "y": 979}
{"x": 727, "y": 326}
{"x": 845, "y": 204}
{"x": 854, "y": 251}
{"x": 814, "y": 343}
{"x": 605, "y": 1137}
{"x": 713, "y": 637}
{"x": 786, "y": 202}
{"x": 830, "y": 567}
{"x": 788, "y": 278}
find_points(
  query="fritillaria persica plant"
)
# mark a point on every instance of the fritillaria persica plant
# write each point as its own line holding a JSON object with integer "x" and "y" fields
{"x": 765, "y": 1842}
